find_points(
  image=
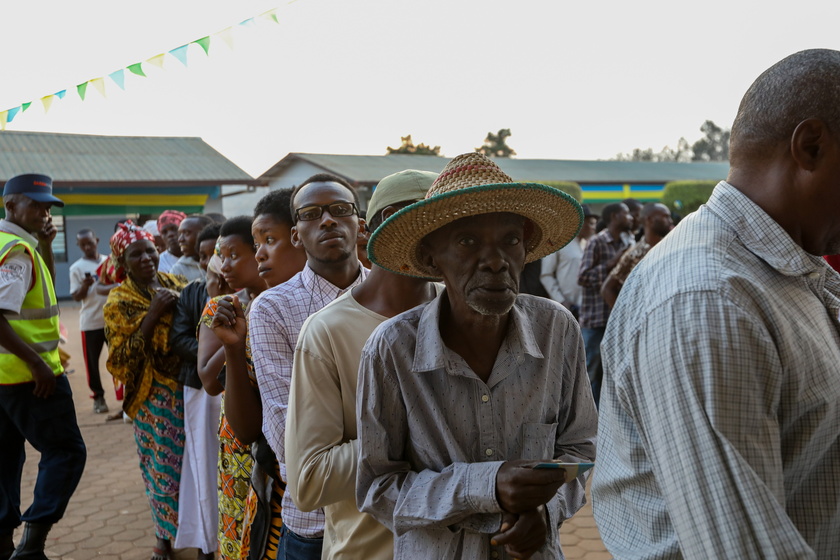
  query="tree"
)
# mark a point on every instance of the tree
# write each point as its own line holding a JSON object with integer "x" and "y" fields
{"x": 714, "y": 146}
{"x": 495, "y": 145}
{"x": 407, "y": 147}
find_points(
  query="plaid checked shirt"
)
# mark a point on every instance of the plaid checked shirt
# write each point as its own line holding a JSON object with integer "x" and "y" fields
{"x": 594, "y": 311}
{"x": 719, "y": 433}
{"x": 274, "y": 323}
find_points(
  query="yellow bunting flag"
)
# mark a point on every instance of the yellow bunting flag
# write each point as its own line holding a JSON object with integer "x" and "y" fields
{"x": 157, "y": 60}
{"x": 47, "y": 101}
{"x": 3, "y": 116}
{"x": 99, "y": 84}
{"x": 226, "y": 35}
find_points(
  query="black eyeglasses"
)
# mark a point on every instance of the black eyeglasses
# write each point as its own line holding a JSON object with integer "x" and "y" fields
{"x": 336, "y": 210}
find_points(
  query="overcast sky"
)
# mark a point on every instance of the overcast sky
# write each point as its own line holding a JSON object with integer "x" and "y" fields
{"x": 572, "y": 80}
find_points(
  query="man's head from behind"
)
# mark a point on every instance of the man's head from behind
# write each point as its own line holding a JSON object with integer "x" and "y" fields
{"x": 787, "y": 133}
{"x": 327, "y": 223}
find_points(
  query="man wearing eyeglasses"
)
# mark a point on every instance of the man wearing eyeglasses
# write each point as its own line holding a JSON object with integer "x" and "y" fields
{"x": 327, "y": 225}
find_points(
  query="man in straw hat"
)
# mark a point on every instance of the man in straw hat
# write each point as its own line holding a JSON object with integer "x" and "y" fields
{"x": 321, "y": 445}
{"x": 36, "y": 404}
{"x": 459, "y": 398}
{"x": 720, "y": 412}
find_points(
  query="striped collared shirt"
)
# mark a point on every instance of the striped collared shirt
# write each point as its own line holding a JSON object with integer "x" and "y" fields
{"x": 274, "y": 322}
{"x": 719, "y": 427}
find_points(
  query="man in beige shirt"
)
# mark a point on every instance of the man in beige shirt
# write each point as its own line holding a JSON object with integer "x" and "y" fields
{"x": 321, "y": 446}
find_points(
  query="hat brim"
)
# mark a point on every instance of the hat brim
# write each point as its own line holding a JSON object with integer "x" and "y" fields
{"x": 44, "y": 197}
{"x": 557, "y": 218}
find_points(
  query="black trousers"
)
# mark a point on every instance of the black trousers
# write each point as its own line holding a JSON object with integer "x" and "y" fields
{"x": 92, "y": 342}
{"x": 49, "y": 425}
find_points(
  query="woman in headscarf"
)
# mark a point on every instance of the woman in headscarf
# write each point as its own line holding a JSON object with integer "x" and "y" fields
{"x": 138, "y": 317}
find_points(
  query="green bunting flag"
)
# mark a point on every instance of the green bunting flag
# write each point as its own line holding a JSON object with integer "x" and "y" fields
{"x": 82, "y": 90}
{"x": 136, "y": 68}
{"x": 204, "y": 43}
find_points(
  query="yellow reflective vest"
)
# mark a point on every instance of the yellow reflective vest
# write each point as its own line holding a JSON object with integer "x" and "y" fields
{"x": 36, "y": 323}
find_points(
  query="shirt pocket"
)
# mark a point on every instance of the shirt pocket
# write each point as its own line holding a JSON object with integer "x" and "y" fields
{"x": 538, "y": 441}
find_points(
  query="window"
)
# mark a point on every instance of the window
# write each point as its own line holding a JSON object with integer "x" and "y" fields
{"x": 59, "y": 244}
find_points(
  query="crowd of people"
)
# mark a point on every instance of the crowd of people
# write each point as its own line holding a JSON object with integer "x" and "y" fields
{"x": 304, "y": 383}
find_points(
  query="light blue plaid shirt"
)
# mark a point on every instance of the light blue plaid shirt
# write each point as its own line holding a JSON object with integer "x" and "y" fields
{"x": 719, "y": 431}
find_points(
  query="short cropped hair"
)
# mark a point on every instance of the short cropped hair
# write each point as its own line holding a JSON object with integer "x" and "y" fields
{"x": 240, "y": 226}
{"x": 276, "y": 204}
{"x": 609, "y": 210}
{"x": 209, "y": 232}
{"x": 203, "y": 220}
{"x": 803, "y": 85}
{"x": 322, "y": 178}
{"x": 85, "y": 231}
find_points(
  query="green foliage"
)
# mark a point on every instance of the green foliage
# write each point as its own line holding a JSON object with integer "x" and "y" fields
{"x": 684, "y": 197}
{"x": 568, "y": 187}
{"x": 713, "y": 146}
{"x": 407, "y": 147}
{"x": 495, "y": 145}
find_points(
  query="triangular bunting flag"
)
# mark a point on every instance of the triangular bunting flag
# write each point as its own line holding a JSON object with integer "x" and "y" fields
{"x": 157, "y": 60}
{"x": 61, "y": 94}
{"x": 136, "y": 68}
{"x": 226, "y": 35}
{"x": 99, "y": 84}
{"x": 273, "y": 15}
{"x": 47, "y": 101}
{"x": 247, "y": 22}
{"x": 180, "y": 53}
{"x": 81, "y": 89}
{"x": 13, "y": 113}
{"x": 119, "y": 78}
{"x": 3, "y": 116}
{"x": 25, "y": 106}
{"x": 204, "y": 42}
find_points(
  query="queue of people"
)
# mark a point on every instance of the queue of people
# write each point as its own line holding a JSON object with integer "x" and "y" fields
{"x": 289, "y": 402}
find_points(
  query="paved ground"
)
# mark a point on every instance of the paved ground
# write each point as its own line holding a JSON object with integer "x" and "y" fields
{"x": 109, "y": 517}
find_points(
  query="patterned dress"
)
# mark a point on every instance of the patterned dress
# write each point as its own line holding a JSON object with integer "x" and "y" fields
{"x": 153, "y": 396}
{"x": 235, "y": 464}
{"x": 259, "y": 521}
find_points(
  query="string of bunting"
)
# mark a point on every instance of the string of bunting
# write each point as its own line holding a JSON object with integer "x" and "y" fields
{"x": 137, "y": 69}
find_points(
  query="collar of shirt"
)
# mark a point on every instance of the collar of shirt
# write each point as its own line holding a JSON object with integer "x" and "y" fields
{"x": 13, "y": 228}
{"x": 315, "y": 284}
{"x": 762, "y": 236}
{"x": 431, "y": 352}
{"x": 610, "y": 239}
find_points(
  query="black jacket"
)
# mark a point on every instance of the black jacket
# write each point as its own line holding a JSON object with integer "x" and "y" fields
{"x": 184, "y": 334}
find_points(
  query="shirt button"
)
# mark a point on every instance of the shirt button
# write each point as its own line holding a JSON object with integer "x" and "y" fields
{"x": 485, "y": 398}
{"x": 494, "y": 554}
{"x": 488, "y": 452}
{"x": 814, "y": 275}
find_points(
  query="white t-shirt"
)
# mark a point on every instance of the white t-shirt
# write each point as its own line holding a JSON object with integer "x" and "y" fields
{"x": 91, "y": 316}
{"x": 166, "y": 261}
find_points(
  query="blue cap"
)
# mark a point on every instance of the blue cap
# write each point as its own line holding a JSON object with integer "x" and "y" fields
{"x": 34, "y": 186}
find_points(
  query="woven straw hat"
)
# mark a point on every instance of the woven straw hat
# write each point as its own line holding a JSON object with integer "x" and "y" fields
{"x": 470, "y": 185}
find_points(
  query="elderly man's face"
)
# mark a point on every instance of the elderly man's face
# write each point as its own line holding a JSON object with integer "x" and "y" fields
{"x": 480, "y": 259}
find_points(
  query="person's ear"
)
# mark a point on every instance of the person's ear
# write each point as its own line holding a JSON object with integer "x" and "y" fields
{"x": 808, "y": 143}
{"x": 363, "y": 227}
{"x": 295, "y": 238}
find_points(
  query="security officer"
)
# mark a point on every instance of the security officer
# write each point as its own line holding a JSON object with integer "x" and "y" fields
{"x": 36, "y": 404}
